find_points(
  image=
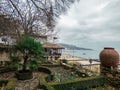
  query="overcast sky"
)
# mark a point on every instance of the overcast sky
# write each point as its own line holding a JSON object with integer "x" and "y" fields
{"x": 91, "y": 23}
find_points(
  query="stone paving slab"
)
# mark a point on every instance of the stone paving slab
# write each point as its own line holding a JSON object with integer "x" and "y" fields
{"x": 24, "y": 84}
{"x": 28, "y": 84}
{"x": 7, "y": 75}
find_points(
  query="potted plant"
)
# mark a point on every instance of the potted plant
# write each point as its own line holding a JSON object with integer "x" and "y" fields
{"x": 28, "y": 52}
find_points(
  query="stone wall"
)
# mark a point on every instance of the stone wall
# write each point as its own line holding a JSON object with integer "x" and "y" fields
{"x": 112, "y": 76}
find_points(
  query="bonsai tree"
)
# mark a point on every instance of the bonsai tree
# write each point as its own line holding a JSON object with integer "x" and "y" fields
{"x": 28, "y": 53}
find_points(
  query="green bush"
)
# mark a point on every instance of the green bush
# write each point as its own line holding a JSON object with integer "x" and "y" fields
{"x": 44, "y": 84}
{"x": 83, "y": 83}
{"x": 49, "y": 78}
{"x": 7, "y": 69}
{"x": 81, "y": 74}
{"x": 30, "y": 52}
{"x": 75, "y": 84}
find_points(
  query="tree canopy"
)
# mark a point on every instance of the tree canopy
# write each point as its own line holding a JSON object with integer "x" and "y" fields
{"x": 32, "y": 16}
{"x": 28, "y": 46}
{"x": 28, "y": 50}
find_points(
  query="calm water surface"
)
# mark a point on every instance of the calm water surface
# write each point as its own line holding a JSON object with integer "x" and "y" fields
{"x": 94, "y": 54}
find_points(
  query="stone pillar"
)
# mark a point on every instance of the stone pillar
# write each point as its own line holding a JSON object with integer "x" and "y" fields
{"x": 104, "y": 70}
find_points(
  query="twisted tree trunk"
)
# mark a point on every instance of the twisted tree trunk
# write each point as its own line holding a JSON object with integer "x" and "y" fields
{"x": 25, "y": 63}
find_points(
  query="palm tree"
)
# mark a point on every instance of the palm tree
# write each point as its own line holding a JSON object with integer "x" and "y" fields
{"x": 30, "y": 52}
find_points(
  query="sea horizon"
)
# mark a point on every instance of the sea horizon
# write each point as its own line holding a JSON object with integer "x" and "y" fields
{"x": 87, "y": 54}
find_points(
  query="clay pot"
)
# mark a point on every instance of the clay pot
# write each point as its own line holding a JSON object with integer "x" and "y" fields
{"x": 109, "y": 57}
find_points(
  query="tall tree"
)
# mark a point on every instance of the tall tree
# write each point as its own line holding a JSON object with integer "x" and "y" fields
{"x": 34, "y": 16}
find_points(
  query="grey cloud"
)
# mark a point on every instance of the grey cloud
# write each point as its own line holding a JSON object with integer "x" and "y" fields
{"x": 92, "y": 28}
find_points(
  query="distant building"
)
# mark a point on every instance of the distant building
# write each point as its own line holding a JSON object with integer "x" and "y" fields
{"x": 53, "y": 50}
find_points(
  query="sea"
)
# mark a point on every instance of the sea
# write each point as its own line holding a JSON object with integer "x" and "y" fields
{"x": 87, "y": 54}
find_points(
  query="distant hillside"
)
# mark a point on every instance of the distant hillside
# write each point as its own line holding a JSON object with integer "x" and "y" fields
{"x": 71, "y": 47}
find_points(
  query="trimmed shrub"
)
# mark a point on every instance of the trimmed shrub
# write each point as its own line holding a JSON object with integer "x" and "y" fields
{"x": 44, "y": 85}
{"x": 83, "y": 83}
{"x": 49, "y": 78}
{"x": 7, "y": 69}
{"x": 76, "y": 84}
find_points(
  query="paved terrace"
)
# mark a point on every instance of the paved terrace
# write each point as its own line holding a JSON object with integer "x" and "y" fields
{"x": 24, "y": 84}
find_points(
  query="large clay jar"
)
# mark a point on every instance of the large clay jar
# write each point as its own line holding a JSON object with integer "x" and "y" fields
{"x": 109, "y": 57}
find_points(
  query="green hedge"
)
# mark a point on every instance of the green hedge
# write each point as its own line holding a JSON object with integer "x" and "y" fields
{"x": 43, "y": 84}
{"x": 7, "y": 69}
{"x": 75, "y": 84}
{"x": 78, "y": 83}
{"x": 9, "y": 83}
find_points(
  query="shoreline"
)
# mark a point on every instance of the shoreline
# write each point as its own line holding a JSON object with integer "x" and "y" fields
{"x": 75, "y": 58}
{"x": 79, "y": 60}
{"x": 82, "y": 61}
{"x": 95, "y": 66}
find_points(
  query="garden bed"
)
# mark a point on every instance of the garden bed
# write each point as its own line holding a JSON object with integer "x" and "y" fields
{"x": 61, "y": 74}
{"x": 76, "y": 84}
{"x": 69, "y": 79}
{"x": 65, "y": 73}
